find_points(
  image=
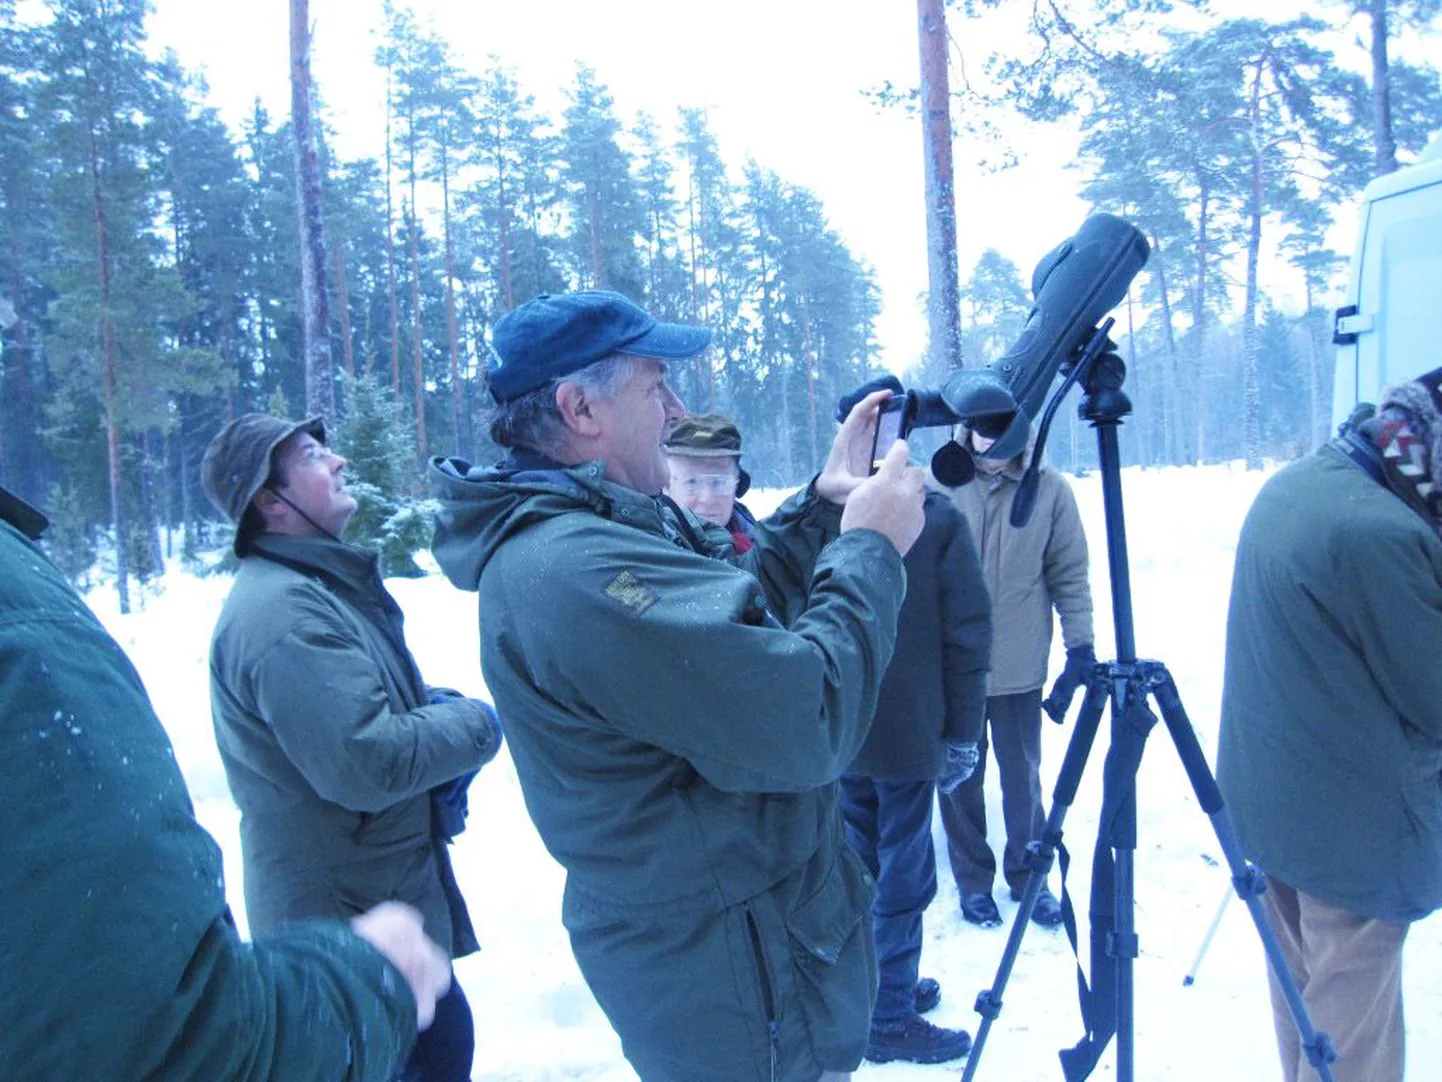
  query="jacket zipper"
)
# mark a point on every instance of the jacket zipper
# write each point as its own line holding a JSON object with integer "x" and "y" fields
{"x": 763, "y": 973}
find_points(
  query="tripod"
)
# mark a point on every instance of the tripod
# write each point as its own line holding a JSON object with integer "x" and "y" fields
{"x": 1126, "y": 683}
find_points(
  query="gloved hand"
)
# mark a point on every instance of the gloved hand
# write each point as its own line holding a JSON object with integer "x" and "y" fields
{"x": 450, "y": 805}
{"x": 961, "y": 760}
{"x": 450, "y": 802}
{"x": 1080, "y": 660}
{"x": 847, "y": 402}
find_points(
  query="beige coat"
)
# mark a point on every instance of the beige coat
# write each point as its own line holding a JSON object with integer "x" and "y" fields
{"x": 1028, "y": 572}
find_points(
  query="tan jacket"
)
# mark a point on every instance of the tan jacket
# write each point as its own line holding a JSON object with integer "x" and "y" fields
{"x": 1028, "y": 572}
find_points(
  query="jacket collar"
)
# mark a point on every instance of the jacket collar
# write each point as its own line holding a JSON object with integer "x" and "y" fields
{"x": 351, "y": 565}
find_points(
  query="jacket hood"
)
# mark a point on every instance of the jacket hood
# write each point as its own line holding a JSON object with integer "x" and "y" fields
{"x": 480, "y": 507}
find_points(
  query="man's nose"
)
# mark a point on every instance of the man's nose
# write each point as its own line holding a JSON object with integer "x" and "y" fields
{"x": 675, "y": 408}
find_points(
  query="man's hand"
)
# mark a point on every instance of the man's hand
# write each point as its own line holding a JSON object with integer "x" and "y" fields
{"x": 890, "y": 500}
{"x": 961, "y": 760}
{"x": 849, "y": 462}
{"x": 395, "y": 929}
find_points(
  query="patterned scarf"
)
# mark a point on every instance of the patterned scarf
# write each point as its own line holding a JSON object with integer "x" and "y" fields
{"x": 1407, "y": 429}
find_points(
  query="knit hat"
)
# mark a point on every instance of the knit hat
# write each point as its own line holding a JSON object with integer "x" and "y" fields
{"x": 1408, "y": 431}
{"x": 238, "y": 461}
{"x": 709, "y": 435}
{"x": 551, "y": 336}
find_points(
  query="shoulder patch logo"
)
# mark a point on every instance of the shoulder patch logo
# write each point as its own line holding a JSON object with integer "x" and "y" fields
{"x": 632, "y": 593}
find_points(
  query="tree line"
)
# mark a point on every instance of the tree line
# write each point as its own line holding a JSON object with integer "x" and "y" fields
{"x": 1226, "y": 142}
{"x": 150, "y": 258}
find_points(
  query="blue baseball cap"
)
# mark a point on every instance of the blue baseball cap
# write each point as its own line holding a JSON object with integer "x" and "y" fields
{"x": 553, "y": 335}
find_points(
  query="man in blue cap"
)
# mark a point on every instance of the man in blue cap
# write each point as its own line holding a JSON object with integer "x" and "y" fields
{"x": 679, "y": 721}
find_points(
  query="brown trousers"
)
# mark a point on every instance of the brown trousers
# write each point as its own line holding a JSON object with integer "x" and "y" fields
{"x": 1349, "y": 971}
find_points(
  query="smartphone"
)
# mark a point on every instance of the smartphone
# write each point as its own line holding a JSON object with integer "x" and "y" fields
{"x": 890, "y": 427}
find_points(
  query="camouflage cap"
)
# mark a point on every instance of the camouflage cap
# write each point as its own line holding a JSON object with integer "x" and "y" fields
{"x": 238, "y": 461}
{"x": 705, "y": 435}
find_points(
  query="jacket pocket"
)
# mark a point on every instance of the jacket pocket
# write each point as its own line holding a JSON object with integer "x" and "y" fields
{"x": 823, "y": 921}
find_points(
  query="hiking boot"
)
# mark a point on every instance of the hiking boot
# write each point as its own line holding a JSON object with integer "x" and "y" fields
{"x": 926, "y": 995}
{"x": 916, "y": 1040}
{"x": 1047, "y": 911}
{"x": 980, "y": 910}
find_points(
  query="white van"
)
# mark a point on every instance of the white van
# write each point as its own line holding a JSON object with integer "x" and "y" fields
{"x": 1390, "y": 327}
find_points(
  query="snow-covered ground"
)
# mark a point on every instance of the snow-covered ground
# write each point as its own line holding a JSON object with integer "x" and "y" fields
{"x": 535, "y": 1018}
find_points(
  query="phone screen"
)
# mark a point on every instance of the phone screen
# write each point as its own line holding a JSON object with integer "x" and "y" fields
{"x": 888, "y": 428}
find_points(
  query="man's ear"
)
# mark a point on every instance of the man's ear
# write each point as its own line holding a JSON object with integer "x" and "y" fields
{"x": 268, "y": 504}
{"x": 576, "y": 409}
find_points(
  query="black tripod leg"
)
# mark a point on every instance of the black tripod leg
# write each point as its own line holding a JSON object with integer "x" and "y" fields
{"x": 1248, "y": 880}
{"x": 1041, "y": 855}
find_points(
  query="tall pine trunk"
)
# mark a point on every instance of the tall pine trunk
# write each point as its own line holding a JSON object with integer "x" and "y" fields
{"x": 943, "y": 304}
{"x": 1251, "y": 380}
{"x": 414, "y": 246}
{"x": 109, "y": 379}
{"x": 1382, "y": 140}
{"x": 315, "y": 305}
{"x": 453, "y": 337}
{"x": 391, "y": 287}
{"x": 342, "y": 297}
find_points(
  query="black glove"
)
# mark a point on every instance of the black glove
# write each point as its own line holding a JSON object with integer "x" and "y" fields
{"x": 450, "y": 805}
{"x": 1080, "y": 660}
{"x": 847, "y": 402}
{"x": 961, "y": 760}
{"x": 450, "y": 802}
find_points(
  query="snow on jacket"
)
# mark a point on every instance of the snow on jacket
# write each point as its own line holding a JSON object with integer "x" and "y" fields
{"x": 1028, "y": 572}
{"x": 934, "y": 691}
{"x": 1330, "y": 754}
{"x": 330, "y": 749}
{"x": 120, "y": 957}
{"x": 678, "y": 725}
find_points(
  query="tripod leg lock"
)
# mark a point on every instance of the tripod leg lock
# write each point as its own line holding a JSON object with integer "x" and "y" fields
{"x": 1040, "y": 855}
{"x": 1319, "y": 1050}
{"x": 988, "y": 1004}
{"x": 1123, "y": 945}
{"x": 1251, "y": 883}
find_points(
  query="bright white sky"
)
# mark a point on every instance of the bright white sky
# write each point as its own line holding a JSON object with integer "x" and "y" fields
{"x": 782, "y": 80}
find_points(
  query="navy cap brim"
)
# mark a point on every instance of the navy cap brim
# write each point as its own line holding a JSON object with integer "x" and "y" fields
{"x": 669, "y": 342}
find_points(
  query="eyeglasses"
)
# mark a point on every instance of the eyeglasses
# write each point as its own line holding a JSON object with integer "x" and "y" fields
{"x": 715, "y": 483}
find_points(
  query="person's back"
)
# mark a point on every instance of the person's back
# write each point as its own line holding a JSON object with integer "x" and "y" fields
{"x": 1330, "y": 739}
{"x": 1331, "y": 733}
{"x": 121, "y": 960}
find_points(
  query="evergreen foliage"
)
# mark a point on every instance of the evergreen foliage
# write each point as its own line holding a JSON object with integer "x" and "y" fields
{"x": 149, "y": 255}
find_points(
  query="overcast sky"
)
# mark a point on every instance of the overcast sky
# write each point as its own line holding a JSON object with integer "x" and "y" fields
{"x": 782, "y": 81}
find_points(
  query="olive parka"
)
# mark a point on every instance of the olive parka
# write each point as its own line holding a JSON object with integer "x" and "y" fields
{"x": 119, "y": 960}
{"x": 678, "y": 724}
{"x": 1028, "y": 572}
{"x": 1330, "y": 751}
{"x": 329, "y": 745}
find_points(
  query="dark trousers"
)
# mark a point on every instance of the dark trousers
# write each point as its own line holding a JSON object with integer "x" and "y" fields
{"x": 445, "y": 1051}
{"x": 889, "y": 825}
{"x": 1014, "y": 722}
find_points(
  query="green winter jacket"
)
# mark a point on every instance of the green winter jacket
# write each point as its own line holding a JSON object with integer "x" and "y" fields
{"x": 678, "y": 747}
{"x": 328, "y": 744}
{"x": 1028, "y": 572}
{"x": 1331, "y": 739}
{"x": 119, "y": 961}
